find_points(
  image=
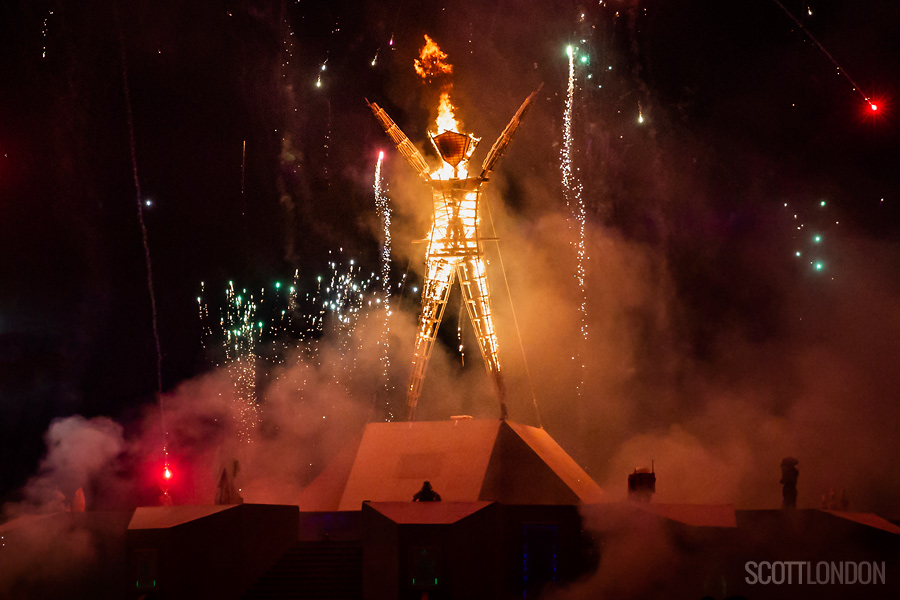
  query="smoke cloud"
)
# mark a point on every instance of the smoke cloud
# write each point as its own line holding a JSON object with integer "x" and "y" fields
{"x": 79, "y": 451}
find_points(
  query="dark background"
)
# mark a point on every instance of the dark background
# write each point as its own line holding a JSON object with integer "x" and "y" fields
{"x": 743, "y": 114}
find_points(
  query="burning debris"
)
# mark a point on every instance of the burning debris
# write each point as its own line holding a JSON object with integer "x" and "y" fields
{"x": 432, "y": 61}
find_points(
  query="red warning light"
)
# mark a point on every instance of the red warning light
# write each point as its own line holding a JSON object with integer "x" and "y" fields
{"x": 167, "y": 474}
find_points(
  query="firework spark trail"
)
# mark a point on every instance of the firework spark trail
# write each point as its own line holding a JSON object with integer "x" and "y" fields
{"x": 327, "y": 150}
{"x": 842, "y": 71}
{"x": 572, "y": 191}
{"x": 203, "y": 313}
{"x": 243, "y": 172}
{"x": 810, "y": 233}
{"x": 287, "y": 41}
{"x": 383, "y": 210}
{"x": 45, "y": 31}
{"x": 345, "y": 297}
{"x": 242, "y": 334}
{"x": 284, "y": 327}
{"x": 459, "y": 333}
{"x": 144, "y": 237}
{"x": 322, "y": 66}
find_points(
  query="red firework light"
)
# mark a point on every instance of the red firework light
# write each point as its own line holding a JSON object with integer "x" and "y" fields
{"x": 876, "y": 108}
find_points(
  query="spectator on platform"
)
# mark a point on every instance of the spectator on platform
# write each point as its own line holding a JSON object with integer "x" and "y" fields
{"x": 427, "y": 494}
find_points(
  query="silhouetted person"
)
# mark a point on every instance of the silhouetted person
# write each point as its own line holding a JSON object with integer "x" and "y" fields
{"x": 789, "y": 475}
{"x": 226, "y": 491}
{"x": 427, "y": 494}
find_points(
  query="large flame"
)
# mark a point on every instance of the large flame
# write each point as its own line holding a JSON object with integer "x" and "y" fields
{"x": 432, "y": 61}
{"x": 446, "y": 120}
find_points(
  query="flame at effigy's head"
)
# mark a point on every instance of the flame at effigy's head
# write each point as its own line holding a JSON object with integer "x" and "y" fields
{"x": 446, "y": 119}
{"x": 453, "y": 146}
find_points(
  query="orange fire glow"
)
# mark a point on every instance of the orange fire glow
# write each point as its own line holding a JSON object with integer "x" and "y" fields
{"x": 432, "y": 61}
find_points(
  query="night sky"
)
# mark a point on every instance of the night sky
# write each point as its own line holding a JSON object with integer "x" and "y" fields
{"x": 746, "y": 123}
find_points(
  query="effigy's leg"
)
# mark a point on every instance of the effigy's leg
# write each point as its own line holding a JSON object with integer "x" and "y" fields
{"x": 476, "y": 295}
{"x": 438, "y": 279}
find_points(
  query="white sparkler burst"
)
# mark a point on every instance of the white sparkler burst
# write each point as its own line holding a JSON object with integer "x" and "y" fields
{"x": 276, "y": 327}
{"x": 383, "y": 210}
{"x": 344, "y": 296}
{"x": 572, "y": 192}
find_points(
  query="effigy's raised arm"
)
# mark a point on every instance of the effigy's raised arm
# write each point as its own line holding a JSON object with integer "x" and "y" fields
{"x": 499, "y": 147}
{"x": 406, "y": 147}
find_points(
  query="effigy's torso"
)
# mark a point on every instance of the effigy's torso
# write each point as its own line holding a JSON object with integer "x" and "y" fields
{"x": 457, "y": 218}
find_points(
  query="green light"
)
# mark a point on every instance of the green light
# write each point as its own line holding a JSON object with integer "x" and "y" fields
{"x": 569, "y": 51}
{"x": 819, "y": 266}
{"x": 584, "y": 59}
{"x": 435, "y": 581}
{"x": 817, "y": 239}
{"x": 260, "y": 324}
{"x": 277, "y": 285}
{"x": 822, "y": 203}
{"x": 797, "y": 253}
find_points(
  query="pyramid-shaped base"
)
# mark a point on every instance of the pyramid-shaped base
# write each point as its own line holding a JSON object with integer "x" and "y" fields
{"x": 465, "y": 460}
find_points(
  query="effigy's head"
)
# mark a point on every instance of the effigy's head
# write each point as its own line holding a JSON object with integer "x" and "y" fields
{"x": 454, "y": 147}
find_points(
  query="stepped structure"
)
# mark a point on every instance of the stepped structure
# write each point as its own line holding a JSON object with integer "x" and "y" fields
{"x": 466, "y": 460}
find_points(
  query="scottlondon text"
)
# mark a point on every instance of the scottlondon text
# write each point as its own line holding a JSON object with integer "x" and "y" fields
{"x": 799, "y": 572}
